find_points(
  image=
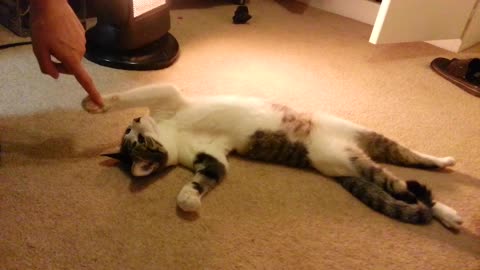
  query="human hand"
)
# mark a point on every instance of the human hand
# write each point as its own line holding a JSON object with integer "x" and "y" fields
{"x": 57, "y": 32}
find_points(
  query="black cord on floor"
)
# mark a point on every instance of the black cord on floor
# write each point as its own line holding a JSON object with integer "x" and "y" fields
{"x": 5, "y": 46}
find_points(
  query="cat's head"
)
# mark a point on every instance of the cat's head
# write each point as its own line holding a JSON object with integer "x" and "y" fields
{"x": 143, "y": 147}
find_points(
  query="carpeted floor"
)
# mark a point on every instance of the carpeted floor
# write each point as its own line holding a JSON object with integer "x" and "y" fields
{"x": 63, "y": 207}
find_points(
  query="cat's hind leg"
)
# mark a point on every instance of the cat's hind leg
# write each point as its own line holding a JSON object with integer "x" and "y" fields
{"x": 208, "y": 173}
{"x": 383, "y": 149}
{"x": 409, "y": 191}
{"x": 342, "y": 159}
{"x": 443, "y": 213}
{"x": 365, "y": 167}
{"x": 447, "y": 216}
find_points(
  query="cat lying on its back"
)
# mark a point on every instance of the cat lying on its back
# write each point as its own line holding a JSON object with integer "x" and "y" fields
{"x": 199, "y": 133}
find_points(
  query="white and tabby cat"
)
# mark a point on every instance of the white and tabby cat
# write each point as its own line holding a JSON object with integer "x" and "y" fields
{"x": 200, "y": 132}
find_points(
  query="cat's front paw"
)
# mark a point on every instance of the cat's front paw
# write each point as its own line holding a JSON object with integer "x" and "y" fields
{"x": 108, "y": 102}
{"x": 189, "y": 200}
{"x": 91, "y": 107}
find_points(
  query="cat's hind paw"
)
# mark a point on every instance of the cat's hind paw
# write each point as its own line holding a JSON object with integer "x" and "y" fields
{"x": 447, "y": 216}
{"x": 188, "y": 199}
{"x": 446, "y": 162}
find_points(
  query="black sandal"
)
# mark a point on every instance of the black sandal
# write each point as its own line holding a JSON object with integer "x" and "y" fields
{"x": 465, "y": 73}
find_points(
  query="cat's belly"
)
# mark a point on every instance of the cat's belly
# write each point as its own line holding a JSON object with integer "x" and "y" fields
{"x": 276, "y": 147}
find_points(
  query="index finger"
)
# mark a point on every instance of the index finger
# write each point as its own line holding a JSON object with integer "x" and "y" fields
{"x": 86, "y": 82}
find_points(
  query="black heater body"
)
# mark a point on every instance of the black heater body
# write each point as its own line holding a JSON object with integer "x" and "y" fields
{"x": 132, "y": 35}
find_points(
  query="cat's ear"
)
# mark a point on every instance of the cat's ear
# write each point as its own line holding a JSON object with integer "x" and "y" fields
{"x": 143, "y": 167}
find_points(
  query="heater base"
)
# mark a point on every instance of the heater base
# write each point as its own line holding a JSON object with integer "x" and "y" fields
{"x": 156, "y": 55}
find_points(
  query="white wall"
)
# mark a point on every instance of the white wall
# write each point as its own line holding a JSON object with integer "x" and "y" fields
{"x": 361, "y": 10}
{"x": 366, "y": 11}
{"x": 471, "y": 36}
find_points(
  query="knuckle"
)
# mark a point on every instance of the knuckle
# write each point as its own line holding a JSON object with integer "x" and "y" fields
{"x": 44, "y": 70}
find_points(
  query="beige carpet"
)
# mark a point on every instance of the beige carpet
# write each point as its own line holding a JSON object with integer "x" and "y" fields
{"x": 63, "y": 207}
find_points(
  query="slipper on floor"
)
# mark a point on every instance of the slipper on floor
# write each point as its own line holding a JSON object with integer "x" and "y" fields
{"x": 465, "y": 73}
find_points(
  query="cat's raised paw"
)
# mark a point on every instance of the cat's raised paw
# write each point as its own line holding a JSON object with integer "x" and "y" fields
{"x": 91, "y": 107}
{"x": 189, "y": 200}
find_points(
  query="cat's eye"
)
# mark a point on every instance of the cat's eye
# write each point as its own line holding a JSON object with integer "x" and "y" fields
{"x": 128, "y": 130}
{"x": 141, "y": 139}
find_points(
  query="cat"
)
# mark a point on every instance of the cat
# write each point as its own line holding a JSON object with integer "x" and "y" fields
{"x": 198, "y": 133}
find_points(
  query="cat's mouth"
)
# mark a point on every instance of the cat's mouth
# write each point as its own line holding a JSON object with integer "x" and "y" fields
{"x": 144, "y": 167}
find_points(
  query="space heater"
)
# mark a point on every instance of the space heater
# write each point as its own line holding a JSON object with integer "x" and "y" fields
{"x": 131, "y": 34}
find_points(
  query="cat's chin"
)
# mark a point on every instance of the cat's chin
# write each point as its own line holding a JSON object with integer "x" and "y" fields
{"x": 143, "y": 168}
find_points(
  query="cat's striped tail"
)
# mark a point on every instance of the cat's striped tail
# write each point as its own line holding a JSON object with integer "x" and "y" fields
{"x": 379, "y": 200}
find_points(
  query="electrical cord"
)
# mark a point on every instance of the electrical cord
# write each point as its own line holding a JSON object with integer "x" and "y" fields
{"x": 6, "y": 46}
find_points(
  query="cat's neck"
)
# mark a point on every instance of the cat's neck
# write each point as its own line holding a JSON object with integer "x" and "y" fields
{"x": 167, "y": 134}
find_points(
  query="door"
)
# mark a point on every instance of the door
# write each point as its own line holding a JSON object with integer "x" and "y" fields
{"x": 421, "y": 20}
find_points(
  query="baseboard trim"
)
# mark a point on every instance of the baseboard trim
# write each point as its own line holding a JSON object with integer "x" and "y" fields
{"x": 453, "y": 45}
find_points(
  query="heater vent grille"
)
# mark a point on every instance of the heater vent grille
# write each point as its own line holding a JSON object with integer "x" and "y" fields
{"x": 143, "y": 6}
